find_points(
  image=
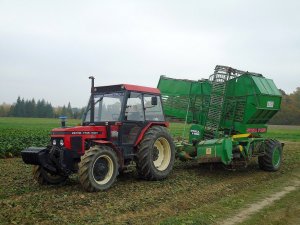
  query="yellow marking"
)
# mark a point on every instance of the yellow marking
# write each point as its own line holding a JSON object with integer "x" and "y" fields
{"x": 208, "y": 151}
{"x": 241, "y": 148}
{"x": 240, "y": 136}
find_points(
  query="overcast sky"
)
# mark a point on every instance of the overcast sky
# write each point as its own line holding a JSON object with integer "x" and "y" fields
{"x": 48, "y": 49}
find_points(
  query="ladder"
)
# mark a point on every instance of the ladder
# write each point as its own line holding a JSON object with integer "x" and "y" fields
{"x": 217, "y": 99}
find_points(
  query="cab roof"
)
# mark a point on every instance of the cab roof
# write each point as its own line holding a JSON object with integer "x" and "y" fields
{"x": 129, "y": 87}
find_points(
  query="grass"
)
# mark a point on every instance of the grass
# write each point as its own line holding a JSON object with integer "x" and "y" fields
{"x": 192, "y": 194}
{"x": 33, "y": 123}
{"x": 285, "y": 133}
{"x": 284, "y": 211}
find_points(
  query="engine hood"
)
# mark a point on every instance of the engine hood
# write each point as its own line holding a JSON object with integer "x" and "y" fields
{"x": 72, "y": 134}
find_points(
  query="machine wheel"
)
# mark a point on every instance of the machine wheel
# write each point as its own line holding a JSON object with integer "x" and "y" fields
{"x": 156, "y": 154}
{"x": 272, "y": 159}
{"x": 43, "y": 177}
{"x": 98, "y": 168}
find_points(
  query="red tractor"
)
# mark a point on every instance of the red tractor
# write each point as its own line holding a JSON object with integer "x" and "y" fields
{"x": 122, "y": 125}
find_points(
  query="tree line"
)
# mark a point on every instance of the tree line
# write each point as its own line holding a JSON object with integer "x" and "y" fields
{"x": 39, "y": 109}
{"x": 289, "y": 113}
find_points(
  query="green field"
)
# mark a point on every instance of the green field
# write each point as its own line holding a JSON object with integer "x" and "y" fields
{"x": 19, "y": 133}
{"x": 192, "y": 194}
{"x": 33, "y": 123}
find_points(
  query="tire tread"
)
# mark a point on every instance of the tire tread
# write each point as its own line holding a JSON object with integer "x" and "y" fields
{"x": 144, "y": 167}
{"x": 265, "y": 162}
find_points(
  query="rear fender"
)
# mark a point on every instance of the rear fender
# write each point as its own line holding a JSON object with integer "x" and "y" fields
{"x": 144, "y": 130}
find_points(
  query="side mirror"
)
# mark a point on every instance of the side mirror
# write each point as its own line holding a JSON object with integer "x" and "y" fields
{"x": 154, "y": 100}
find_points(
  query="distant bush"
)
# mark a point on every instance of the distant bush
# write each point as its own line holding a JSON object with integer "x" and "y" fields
{"x": 289, "y": 113}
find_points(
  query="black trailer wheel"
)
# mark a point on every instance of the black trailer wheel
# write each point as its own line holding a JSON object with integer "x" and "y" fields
{"x": 272, "y": 158}
{"x": 156, "y": 154}
{"x": 98, "y": 168}
{"x": 44, "y": 177}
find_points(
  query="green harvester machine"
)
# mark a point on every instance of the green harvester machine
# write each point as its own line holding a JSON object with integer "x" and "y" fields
{"x": 228, "y": 114}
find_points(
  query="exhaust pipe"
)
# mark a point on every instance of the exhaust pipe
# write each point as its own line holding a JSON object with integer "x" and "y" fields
{"x": 92, "y": 83}
{"x": 92, "y": 98}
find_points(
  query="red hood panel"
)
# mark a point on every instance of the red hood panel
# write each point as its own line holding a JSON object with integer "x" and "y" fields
{"x": 79, "y": 130}
{"x": 85, "y": 132}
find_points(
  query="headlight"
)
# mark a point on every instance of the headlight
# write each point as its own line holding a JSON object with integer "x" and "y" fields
{"x": 61, "y": 142}
{"x": 54, "y": 142}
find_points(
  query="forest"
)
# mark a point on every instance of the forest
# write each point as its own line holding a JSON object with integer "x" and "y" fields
{"x": 38, "y": 109}
{"x": 289, "y": 113}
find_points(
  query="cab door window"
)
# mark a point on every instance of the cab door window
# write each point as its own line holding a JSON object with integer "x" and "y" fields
{"x": 153, "y": 108}
{"x": 134, "y": 107}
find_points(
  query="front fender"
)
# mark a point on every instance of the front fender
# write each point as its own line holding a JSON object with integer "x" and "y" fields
{"x": 115, "y": 148}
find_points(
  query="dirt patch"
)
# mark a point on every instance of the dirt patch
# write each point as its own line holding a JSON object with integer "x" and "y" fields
{"x": 255, "y": 207}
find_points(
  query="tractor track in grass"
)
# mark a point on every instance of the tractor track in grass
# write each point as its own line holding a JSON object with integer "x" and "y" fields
{"x": 246, "y": 213}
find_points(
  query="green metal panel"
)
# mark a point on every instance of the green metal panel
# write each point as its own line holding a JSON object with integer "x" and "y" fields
{"x": 215, "y": 150}
{"x": 266, "y": 86}
{"x": 185, "y": 98}
{"x": 251, "y": 100}
{"x": 196, "y": 133}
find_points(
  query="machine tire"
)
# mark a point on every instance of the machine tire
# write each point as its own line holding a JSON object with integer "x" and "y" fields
{"x": 98, "y": 168}
{"x": 272, "y": 158}
{"x": 156, "y": 154}
{"x": 43, "y": 177}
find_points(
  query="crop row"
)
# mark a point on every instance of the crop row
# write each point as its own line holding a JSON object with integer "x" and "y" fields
{"x": 13, "y": 140}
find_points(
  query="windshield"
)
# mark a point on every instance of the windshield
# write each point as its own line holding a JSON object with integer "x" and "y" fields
{"x": 107, "y": 107}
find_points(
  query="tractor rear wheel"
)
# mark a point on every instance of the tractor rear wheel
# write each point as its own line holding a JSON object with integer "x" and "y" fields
{"x": 44, "y": 177}
{"x": 156, "y": 154}
{"x": 98, "y": 168}
{"x": 272, "y": 158}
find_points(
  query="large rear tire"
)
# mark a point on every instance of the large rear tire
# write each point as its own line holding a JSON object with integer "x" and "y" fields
{"x": 272, "y": 158}
{"x": 43, "y": 177}
{"x": 98, "y": 168}
{"x": 156, "y": 154}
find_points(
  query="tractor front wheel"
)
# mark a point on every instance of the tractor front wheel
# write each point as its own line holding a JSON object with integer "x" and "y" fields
{"x": 98, "y": 168}
{"x": 156, "y": 154}
{"x": 272, "y": 158}
{"x": 44, "y": 177}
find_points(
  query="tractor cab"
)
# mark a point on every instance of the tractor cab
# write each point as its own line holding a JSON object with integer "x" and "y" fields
{"x": 124, "y": 110}
{"x": 122, "y": 103}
